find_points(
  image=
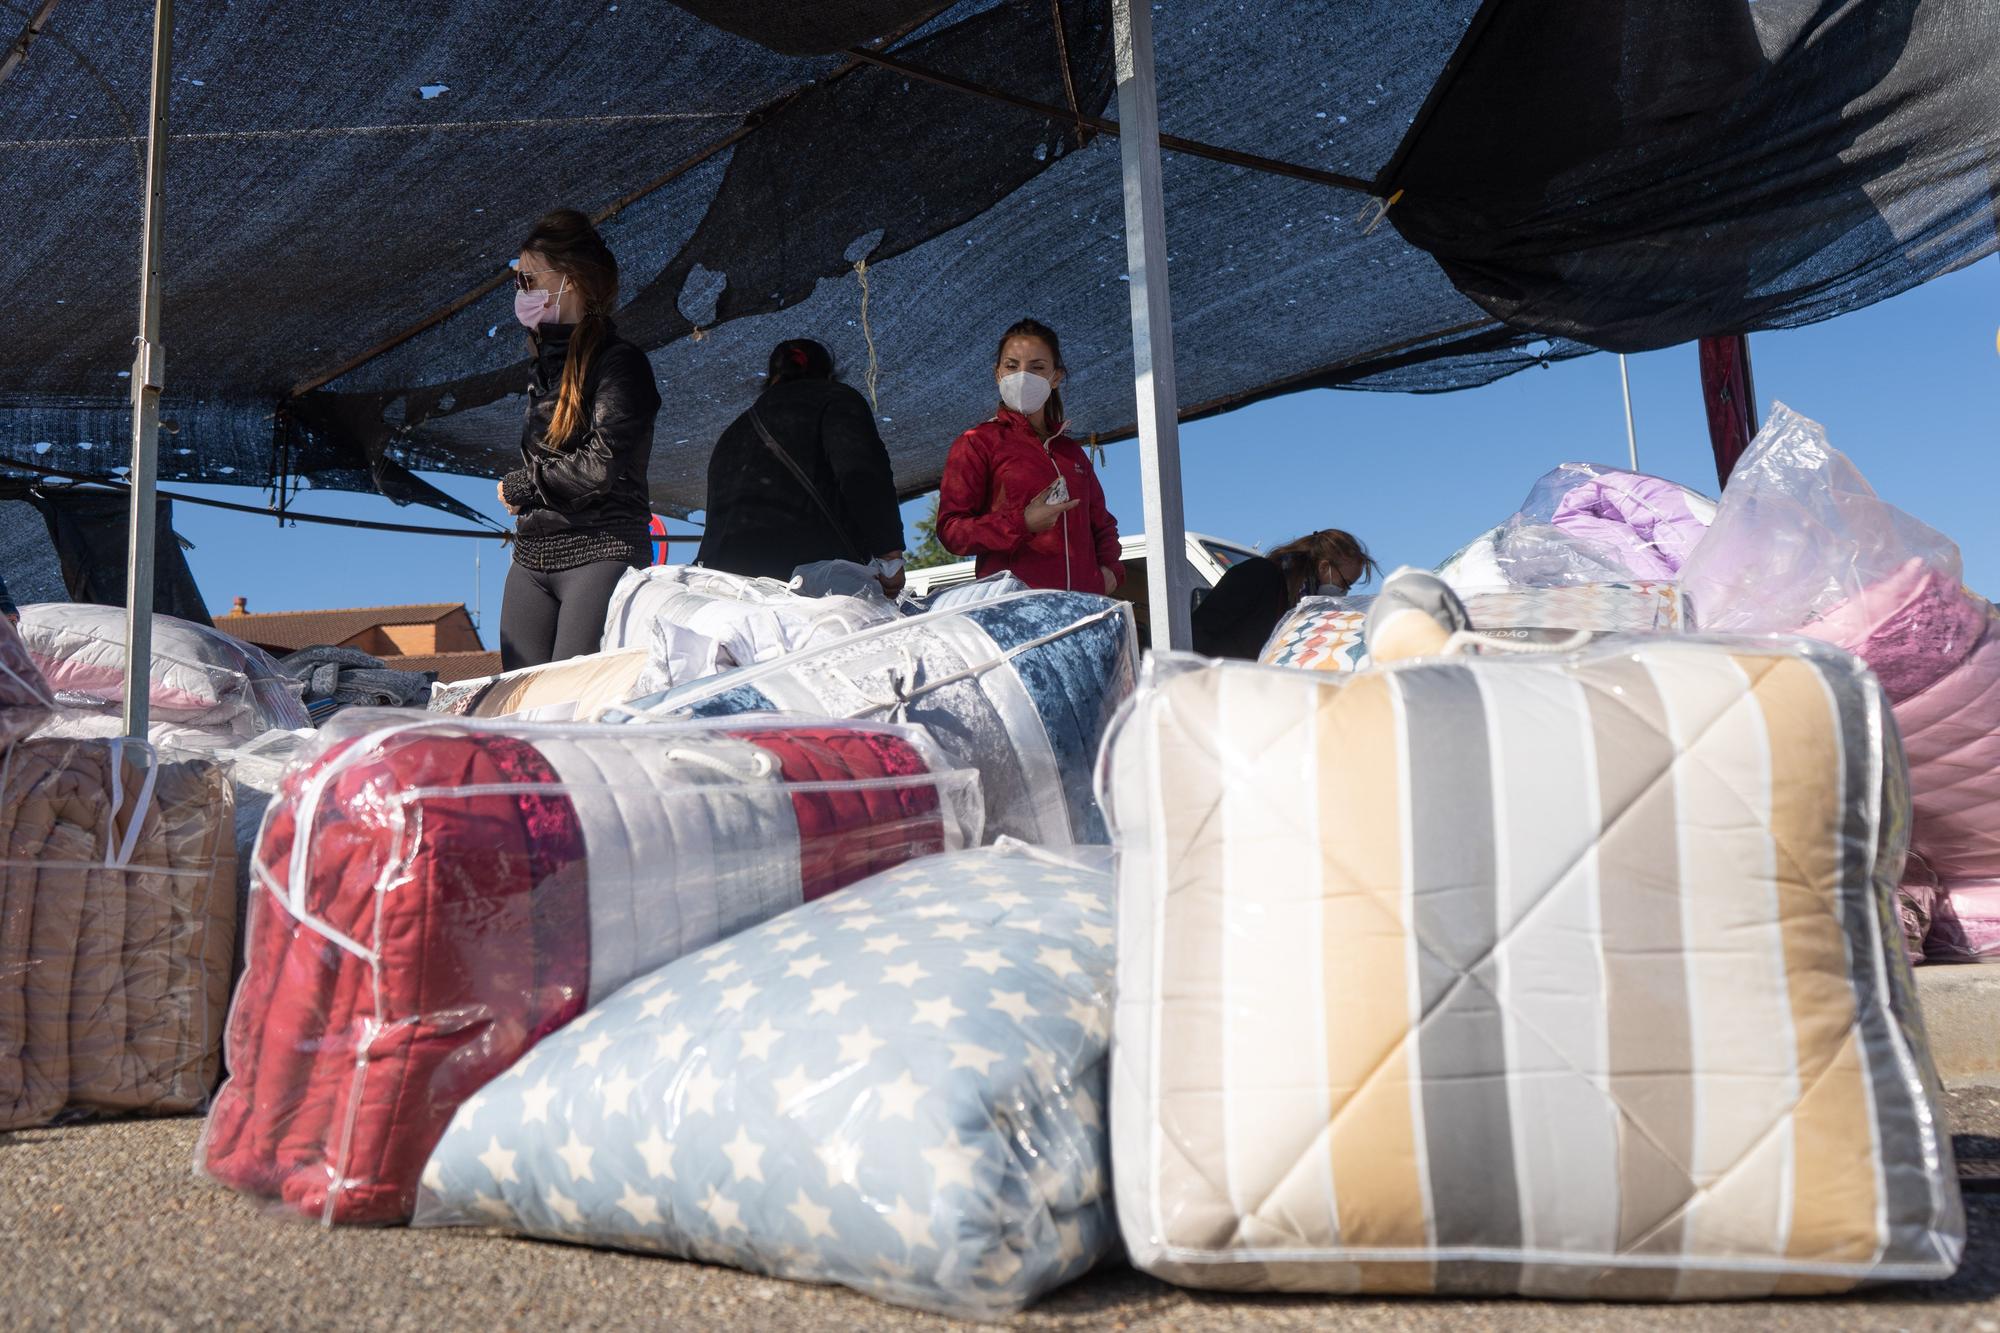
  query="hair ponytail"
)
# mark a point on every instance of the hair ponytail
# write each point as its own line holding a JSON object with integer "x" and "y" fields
{"x": 571, "y": 245}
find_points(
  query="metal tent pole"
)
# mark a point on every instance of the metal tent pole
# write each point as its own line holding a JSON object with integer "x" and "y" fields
{"x": 1631, "y": 434}
{"x": 147, "y": 380}
{"x": 1170, "y": 579}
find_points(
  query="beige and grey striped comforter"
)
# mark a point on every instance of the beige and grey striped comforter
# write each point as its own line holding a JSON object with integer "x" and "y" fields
{"x": 1571, "y": 976}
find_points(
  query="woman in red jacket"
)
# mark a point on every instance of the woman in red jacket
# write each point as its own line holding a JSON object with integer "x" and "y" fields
{"x": 1019, "y": 493}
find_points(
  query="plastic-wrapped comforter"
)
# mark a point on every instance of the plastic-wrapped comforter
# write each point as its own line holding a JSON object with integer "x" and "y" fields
{"x": 697, "y": 622}
{"x": 575, "y": 690}
{"x": 435, "y": 897}
{"x": 1802, "y": 544}
{"x": 1562, "y": 975}
{"x": 117, "y": 910}
{"x": 900, "y": 1088}
{"x": 1019, "y": 687}
{"x": 207, "y": 689}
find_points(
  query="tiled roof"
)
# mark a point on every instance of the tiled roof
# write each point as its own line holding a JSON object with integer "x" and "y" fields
{"x": 293, "y": 630}
{"x": 449, "y": 666}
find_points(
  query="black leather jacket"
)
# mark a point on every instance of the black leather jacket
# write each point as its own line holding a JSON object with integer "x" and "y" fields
{"x": 598, "y": 482}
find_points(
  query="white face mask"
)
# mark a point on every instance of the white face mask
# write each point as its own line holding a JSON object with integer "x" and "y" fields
{"x": 1025, "y": 391}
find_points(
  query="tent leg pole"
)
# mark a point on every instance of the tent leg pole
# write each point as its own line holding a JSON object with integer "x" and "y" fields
{"x": 1170, "y": 578}
{"x": 147, "y": 381}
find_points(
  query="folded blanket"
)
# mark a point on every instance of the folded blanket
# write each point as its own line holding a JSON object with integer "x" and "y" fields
{"x": 1568, "y": 975}
{"x": 116, "y": 928}
{"x": 435, "y": 897}
{"x": 350, "y": 678}
{"x": 576, "y": 690}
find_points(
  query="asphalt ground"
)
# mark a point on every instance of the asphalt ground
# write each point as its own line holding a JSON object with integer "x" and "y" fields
{"x": 105, "y": 1227}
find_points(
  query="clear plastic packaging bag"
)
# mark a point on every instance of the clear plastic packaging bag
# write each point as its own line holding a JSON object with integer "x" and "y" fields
{"x": 1584, "y": 523}
{"x": 1800, "y": 532}
{"x": 900, "y": 1088}
{"x": 434, "y": 896}
{"x": 1552, "y": 974}
{"x": 839, "y": 578}
{"x": 1802, "y": 545}
{"x": 25, "y": 701}
{"x": 202, "y": 681}
{"x": 1020, "y": 688}
{"x": 957, "y": 598}
{"x": 699, "y": 622}
{"x": 117, "y": 921}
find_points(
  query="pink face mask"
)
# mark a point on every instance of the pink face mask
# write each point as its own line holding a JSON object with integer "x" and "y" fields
{"x": 535, "y": 308}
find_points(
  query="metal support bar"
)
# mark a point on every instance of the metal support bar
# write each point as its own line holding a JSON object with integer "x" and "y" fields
{"x": 1169, "y": 577}
{"x": 17, "y": 52}
{"x": 148, "y": 378}
{"x": 1631, "y": 433}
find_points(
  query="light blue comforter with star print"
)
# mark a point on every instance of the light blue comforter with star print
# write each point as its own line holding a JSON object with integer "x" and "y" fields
{"x": 900, "y": 1088}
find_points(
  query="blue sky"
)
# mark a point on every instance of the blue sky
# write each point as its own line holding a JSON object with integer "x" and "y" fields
{"x": 1910, "y": 389}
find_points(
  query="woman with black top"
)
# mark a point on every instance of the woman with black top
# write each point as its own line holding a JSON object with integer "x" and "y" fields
{"x": 801, "y": 477}
{"x": 580, "y": 492}
{"x": 1240, "y": 612}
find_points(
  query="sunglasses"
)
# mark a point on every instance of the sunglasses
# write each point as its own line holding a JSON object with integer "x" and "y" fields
{"x": 525, "y": 281}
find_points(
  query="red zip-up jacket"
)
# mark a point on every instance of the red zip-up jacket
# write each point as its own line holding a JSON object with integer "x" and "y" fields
{"x": 992, "y": 473}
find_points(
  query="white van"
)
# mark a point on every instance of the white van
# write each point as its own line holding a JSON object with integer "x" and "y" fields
{"x": 1207, "y": 557}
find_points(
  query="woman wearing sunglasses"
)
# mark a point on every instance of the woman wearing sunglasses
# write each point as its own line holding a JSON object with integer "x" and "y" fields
{"x": 580, "y": 493}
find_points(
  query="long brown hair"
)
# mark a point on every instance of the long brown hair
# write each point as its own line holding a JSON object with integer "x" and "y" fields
{"x": 572, "y": 247}
{"x": 1034, "y": 328}
{"x": 1301, "y": 559}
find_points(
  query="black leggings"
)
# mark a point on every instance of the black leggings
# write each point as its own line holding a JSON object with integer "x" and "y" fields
{"x": 553, "y": 617}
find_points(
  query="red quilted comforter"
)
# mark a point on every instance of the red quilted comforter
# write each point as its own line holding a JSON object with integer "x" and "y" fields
{"x": 463, "y": 893}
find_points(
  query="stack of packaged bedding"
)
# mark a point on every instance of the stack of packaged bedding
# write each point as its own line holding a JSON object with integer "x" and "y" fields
{"x": 900, "y": 1088}
{"x": 1802, "y": 544}
{"x": 1019, "y": 687}
{"x": 1565, "y": 975}
{"x": 697, "y": 622}
{"x": 1593, "y": 550}
{"x": 208, "y": 690}
{"x": 117, "y": 922}
{"x": 435, "y": 896}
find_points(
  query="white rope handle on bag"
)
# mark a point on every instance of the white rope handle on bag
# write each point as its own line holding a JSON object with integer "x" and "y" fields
{"x": 1462, "y": 641}
{"x": 762, "y": 766}
{"x": 122, "y": 856}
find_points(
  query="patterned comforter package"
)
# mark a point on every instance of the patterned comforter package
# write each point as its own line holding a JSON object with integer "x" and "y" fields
{"x": 116, "y": 927}
{"x": 202, "y": 681}
{"x": 1572, "y": 975}
{"x": 899, "y": 1089}
{"x": 576, "y": 690}
{"x": 697, "y": 622}
{"x": 1326, "y": 633}
{"x": 435, "y": 896}
{"x": 1020, "y": 688}
{"x": 25, "y": 702}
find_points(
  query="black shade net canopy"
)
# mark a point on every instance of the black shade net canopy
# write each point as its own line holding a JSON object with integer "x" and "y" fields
{"x": 1378, "y": 194}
